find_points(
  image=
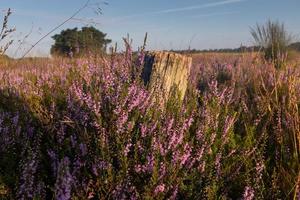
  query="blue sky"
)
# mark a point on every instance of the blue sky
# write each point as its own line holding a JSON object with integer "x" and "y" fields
{"x": 173, "y": 24}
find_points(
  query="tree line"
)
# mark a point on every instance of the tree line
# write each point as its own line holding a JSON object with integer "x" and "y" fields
{"x": 294, "y": 46}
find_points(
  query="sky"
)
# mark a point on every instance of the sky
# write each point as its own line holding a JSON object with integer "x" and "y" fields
{"x": 170, "y": 24}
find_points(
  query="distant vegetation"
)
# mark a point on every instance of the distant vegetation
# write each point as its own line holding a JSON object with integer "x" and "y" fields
{"x": 295, "y": 46}
{"x": 79, "y": 42}
{"x": 243, "y": 49}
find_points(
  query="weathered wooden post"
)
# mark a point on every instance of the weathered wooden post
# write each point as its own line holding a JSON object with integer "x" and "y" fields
{"x": 165, "y": 70}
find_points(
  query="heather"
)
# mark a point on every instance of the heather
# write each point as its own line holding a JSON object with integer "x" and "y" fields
{"x": 88, "y": 128}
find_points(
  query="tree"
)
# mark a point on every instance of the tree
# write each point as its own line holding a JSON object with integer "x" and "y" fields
{"x": 79, "y": 42}
{"x": 274, "y": 40}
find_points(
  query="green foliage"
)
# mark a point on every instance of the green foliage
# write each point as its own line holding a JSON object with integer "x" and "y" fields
{"x": 274, "y": 39}
{"x": 79, "y": 42}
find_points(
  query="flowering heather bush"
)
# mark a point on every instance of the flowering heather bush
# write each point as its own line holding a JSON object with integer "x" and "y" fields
{"x": 89, "y": 129}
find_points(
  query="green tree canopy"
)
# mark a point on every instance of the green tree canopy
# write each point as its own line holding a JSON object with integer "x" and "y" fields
{"x": 79, "y": 42}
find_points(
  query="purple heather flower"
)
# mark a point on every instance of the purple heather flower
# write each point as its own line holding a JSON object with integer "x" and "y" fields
{"x": 162, "y": 170}
{"x": 218, "y": 164}
{"x": 27, "y": 188}
{"x": 83, "y": 149}
{"x": 248, "y": 193}
{"x": 141, "y": 58}
{"x": 160, "y": 189}
{"x": 98, "y": 166}
{"x": 15, "y": 120}
{"x": 259, "y": 169}
{"x": 64, "y": 180}
{"x": 138, "y": 168}
{"x": 150, "y": 163}
{"x": 127, "y": 148}
{"x": 174, "y": 194}
{"x": 186, "y": 154}
{"x": 143, "y": 130}
{"x": 54, "y": 160}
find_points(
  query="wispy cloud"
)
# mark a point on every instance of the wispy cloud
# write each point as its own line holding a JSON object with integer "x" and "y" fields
{"x": 128, "y": 18}
{"x": 175, "y": 10}
{"x": 196, "y": 7}
{"x": 215, "y": 14}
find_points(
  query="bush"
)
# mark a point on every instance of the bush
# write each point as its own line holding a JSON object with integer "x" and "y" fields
{"x": 274, "y": 39}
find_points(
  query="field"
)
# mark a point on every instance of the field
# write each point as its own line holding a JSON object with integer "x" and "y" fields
{"x": 89, "y": 129}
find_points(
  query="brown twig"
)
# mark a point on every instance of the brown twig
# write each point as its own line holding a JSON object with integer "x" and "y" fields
{"x": 21, "y": 42}
{"x": 5, "y": 32}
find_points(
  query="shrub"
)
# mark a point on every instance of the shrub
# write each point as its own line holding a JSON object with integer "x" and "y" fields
{"x": 274, "y": 39}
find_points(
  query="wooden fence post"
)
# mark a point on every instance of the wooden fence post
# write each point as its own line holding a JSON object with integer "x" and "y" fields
{"x": 165, "y": 70}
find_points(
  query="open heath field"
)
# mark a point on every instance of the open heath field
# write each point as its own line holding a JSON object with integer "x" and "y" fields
{"x": 89, "y": 128}
{"x": 199, "y": 101}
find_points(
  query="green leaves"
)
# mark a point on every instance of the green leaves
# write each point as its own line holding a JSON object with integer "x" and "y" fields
{"x": 79, "y": 42}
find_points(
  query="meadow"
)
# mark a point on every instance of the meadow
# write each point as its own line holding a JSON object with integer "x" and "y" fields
{"x": 88, "y": 128}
